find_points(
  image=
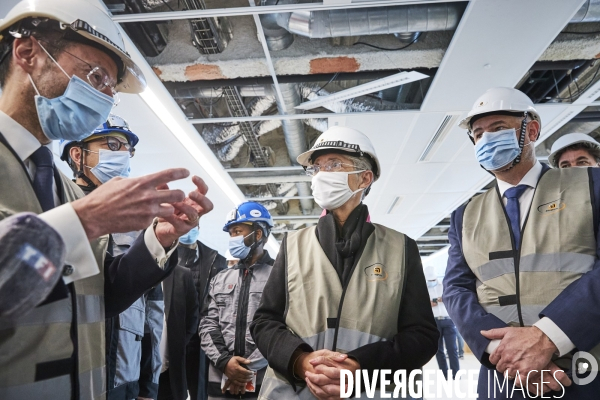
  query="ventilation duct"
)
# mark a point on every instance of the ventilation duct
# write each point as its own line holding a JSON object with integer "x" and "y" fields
{"x": 295, "y": 137}
{"x": 359, "y": 104}
{"x": 589, "y": 12}
{"x": 371, "y": 21}
{"x": 227, "y": 140}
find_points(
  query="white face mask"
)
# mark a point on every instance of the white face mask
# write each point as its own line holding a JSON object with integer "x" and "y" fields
{"x": 331, "y": 190}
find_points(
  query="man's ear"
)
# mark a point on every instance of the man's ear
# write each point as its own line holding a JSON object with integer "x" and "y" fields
{"x": 28, "y": 55}
{"x": 367, "y": 179}
{"x": 533, "y": 130}
{"x": 259, "y": 234}
{"x": 75, "y": 153}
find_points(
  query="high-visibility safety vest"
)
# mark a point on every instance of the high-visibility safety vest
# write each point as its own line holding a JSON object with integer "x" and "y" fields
{"x": 322, "y": 313}
{"x": 557, "y": 247}
{"x": 36, "y": 350}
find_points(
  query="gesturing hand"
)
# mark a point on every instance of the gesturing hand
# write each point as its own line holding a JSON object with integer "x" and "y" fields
{"x": 520, "y": 349}
{"x": 186, "y": 214}
{"x": 129, "y": 204}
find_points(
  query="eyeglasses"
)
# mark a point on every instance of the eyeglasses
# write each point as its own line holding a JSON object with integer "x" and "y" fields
{"x": 329, "y": 166}
{"x": 98, "y": 77}
{"x": 114, "y": 144}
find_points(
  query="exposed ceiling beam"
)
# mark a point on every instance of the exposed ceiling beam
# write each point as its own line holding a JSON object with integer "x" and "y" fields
{"x": 295, "y": 217}
{"x": 432, "y": 244}
{"x": 278, "y": 198}
{"x": 270, "y": 66}
{"x": 265, "y": 169}
{"x": 438, "y": 237}
{"x": 280, "y": 8}
{"x": 351, "y": 114}
{"x": 262, "y": 180}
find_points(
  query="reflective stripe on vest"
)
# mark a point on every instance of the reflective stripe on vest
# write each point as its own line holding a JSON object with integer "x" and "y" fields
{"x": 558, "y": 246}
{"x": 315, "y": 292}
{"x": 36, "y": 349}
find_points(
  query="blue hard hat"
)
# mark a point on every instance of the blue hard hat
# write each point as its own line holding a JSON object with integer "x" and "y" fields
{"x": 248, "y": 212}
{"x": 113, "y": 124}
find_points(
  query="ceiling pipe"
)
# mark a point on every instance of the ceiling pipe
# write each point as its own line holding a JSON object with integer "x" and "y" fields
{"x": 295, "y": 138}
{"x": 266, "y": 80}
{"x": 372, "y": 21}
{"x": 589, "y": 12}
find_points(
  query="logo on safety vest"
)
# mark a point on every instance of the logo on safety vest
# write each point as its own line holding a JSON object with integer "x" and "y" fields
{"x": 376, "y": 272}
{"x": 551, "y": 207}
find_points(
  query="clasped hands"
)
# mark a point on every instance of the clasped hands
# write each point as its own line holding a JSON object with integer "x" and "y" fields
{"x": 321, "y": 371}
{"x": 526, "y": 350}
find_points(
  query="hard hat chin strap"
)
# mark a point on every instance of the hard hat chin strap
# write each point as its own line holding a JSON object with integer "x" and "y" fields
{"x": 521, "y": 139}
{"x": 523, "y": 132}
{"x": 80, "y": 172}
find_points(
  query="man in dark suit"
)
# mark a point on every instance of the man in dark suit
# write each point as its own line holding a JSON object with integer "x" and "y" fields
{"x": 181, "y": 323}
{"x": 204, "y": 263}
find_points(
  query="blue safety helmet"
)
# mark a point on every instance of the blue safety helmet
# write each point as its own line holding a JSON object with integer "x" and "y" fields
{"x": 249, "y": 212}
{"x": 113, "y": 124}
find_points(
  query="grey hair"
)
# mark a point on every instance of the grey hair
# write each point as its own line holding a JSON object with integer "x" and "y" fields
{"x": 361, "y": 163}
{"x": 364, "y": 164}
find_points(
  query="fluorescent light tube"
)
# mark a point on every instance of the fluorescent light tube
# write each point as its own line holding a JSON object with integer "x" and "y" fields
{"x": 360, "y": 90}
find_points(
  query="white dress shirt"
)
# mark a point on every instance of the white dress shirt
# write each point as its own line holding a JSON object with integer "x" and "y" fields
{"x": 434, "y": 293}
{"x": 546, "y": 325}
{"x": 63, "y": 218}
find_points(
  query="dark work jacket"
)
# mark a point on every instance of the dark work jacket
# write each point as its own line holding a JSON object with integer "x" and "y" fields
{"x": 181, "y": 312}
{"x": 208, "y": 264}
{"x": 411, "y": 348}
{"x": 204, "y": 263}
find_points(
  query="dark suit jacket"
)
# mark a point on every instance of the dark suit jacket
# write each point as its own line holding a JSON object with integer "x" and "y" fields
{"x": 181, "y": 311}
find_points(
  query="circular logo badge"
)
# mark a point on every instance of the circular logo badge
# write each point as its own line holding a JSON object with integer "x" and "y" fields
{"x": 255, "y": 213}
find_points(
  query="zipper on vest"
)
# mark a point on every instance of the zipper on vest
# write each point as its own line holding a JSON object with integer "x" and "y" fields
{"x": 242, "y": 314}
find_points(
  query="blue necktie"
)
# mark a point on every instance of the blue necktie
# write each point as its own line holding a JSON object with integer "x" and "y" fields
{"x": 512, "y": 209}
{"x": 44, "y": 177}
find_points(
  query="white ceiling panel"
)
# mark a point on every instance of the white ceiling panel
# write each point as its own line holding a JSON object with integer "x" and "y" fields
{"x": 495, "y": 45}
{"x": 387, "y": 132}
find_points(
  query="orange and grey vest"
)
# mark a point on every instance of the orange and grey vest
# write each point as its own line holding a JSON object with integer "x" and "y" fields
{"x": 36, "y": 349}
{"x": 557, "y": 247}
{"x": 315, "y": 294}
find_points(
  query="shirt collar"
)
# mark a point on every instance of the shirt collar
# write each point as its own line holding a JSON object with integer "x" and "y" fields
{"x": 19, "y": 138}
{"x": 530, "y": 179}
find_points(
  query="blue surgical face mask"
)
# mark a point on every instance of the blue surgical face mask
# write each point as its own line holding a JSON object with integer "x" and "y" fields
{"x": 75, "y": 114}
{"x": 431, "y": 284}
{"x": 191, "y": 237}
{"x": 111, "y": 164}
{"x": 497, "y": 149}
{"x": 238, "y": 248}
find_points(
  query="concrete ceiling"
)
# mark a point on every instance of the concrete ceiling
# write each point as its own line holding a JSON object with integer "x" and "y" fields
{"x": 495, "y": 44}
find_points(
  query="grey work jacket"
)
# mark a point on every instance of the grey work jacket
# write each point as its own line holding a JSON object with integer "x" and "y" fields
{"x": 233, "y": 297}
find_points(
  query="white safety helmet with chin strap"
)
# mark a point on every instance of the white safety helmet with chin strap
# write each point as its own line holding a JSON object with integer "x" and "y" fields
{"x": 81, "y": 20}
{"x": 503, "y": 101}
{"x": 345, "y": 139}
{"x": 569, "y": 140}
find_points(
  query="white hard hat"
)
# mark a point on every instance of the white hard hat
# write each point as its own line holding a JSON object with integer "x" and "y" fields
{"x": 344, "y": 139}
{"x": 90, "y": 22}
{"x": 501, "y": 99}
{"x": 569, "y": 140}
{"x": 430, "y": 273}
